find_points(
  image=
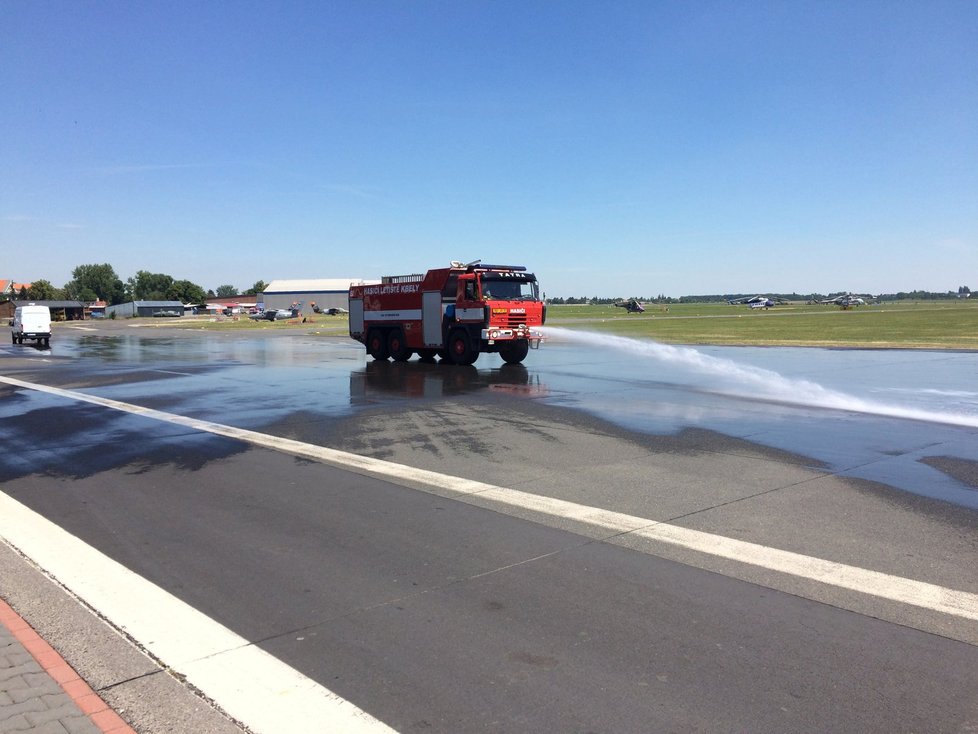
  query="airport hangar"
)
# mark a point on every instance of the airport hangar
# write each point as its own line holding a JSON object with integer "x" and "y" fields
{"x": 145, "y": 308}
{"x": 60, "y": 310}
{"x": 310, "y": 294}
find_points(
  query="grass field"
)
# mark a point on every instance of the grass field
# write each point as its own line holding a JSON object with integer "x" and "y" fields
{"x": 950, "y": 324}
{"x": 319, "y": 324}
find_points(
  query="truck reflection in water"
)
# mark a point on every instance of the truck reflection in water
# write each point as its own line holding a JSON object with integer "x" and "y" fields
{"x": 382, "y": 379}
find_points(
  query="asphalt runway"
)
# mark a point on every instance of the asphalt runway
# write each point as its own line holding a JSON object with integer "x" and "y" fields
{"x": 614, "y": 537}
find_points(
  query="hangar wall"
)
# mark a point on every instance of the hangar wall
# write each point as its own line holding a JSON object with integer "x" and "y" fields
{"x": 323, "y": 293}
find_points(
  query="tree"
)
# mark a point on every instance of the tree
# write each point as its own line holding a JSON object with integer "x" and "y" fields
{"x": 186, "y": 292}
{"x": 94, "y": 282}
{"x": 224, "y": 291}
{"x": 257, "y": 288}
{"x": 42, "y": 290}
{"x": 150, "y": 286}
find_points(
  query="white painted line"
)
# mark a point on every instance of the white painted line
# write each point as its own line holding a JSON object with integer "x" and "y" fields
{"x": 252, "y": 686}
{"x": 885, "y": 586}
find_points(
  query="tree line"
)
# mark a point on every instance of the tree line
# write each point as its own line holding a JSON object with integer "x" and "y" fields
{"x": 101, "y": 283}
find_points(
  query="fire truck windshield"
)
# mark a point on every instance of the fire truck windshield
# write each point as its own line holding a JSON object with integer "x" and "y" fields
{"x": 509, "y": 289}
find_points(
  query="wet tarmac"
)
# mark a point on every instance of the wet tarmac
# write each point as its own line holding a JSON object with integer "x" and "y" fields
{"x": 907, "y": 419}
{"x": 371, "y": 584}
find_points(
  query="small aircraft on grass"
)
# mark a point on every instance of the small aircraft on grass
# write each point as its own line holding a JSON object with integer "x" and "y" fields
{"x": 331, "y": 311}
{"x": 846, "y": 300}
{"x": 280, "y": 314}
{"x": 631, "y": 306}
{"x": 756, "y": 301}
{"x": 276, "y": 314}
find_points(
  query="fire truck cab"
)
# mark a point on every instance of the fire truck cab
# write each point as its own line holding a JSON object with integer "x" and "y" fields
{"x": 455, "y": 313}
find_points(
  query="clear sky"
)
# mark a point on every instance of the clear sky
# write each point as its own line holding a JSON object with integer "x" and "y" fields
{"x": 615, "y": 148}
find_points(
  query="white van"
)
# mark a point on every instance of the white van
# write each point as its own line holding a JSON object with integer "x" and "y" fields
{"x": 31, "y": 322}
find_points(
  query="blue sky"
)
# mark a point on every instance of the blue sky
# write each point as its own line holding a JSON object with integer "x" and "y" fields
{"x": 615, "y": 148}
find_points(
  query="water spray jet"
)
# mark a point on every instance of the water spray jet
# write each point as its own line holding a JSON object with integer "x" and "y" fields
{"x": 757, "y": 383}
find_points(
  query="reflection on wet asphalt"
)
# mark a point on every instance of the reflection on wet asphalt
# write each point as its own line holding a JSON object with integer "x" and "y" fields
{"x": 908, "y": 419}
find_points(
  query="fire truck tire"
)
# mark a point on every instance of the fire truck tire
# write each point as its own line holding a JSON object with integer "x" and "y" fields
{"x": 377, "y": 345}
{"x": 515, "y": 352}
{"x": 396, "y": 346}
{"x": 460, "y": 349}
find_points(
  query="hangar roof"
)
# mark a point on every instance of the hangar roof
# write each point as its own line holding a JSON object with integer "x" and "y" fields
{"x": 320, "y": 285}
{"x": 49, "y": 304}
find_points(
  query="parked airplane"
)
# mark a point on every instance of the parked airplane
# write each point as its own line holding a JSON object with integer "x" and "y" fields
{"x": 756, "y": 301}
{"x": 847, "y": 300}
{"x": 631, "y": 305}
{"x": 331, "y": 311}
{"x": 279, "y": 314}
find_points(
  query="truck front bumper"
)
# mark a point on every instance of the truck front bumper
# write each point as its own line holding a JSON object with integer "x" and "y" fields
{"x": 495, "y": 334}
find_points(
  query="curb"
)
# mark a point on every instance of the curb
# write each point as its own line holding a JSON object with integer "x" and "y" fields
{"x": 89, "y": 702}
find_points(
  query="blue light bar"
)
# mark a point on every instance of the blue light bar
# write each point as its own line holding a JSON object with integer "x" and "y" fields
{"x": 499, "y": 267}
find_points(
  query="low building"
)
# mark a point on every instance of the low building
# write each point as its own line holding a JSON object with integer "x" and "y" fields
{"x": 145, "y": 308}
{"x": 96, "y": 310}
{"x": 12, "y": 289}
{"x": 309, "y": 295}
{"x": 60, "y": 310}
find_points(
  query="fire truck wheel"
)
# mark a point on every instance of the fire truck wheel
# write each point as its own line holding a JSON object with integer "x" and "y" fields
{"x": 396, "y": 347}
{"x": 460, "y": 350}
{"x": 377, "y": 345}
{"x": 515, "y": 352}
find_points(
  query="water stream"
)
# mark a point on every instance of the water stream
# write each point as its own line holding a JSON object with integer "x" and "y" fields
{"x": 727, "y": 377}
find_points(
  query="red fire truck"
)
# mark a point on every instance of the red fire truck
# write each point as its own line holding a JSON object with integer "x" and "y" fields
{"x": 455, "y": 313}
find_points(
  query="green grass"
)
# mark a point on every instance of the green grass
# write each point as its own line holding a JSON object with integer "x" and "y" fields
{"x": 950, "y": 324}
{"x": 318, "y": 324}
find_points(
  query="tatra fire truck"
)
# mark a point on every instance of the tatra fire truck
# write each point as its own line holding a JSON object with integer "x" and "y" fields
{"x": 455, "y": 313}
